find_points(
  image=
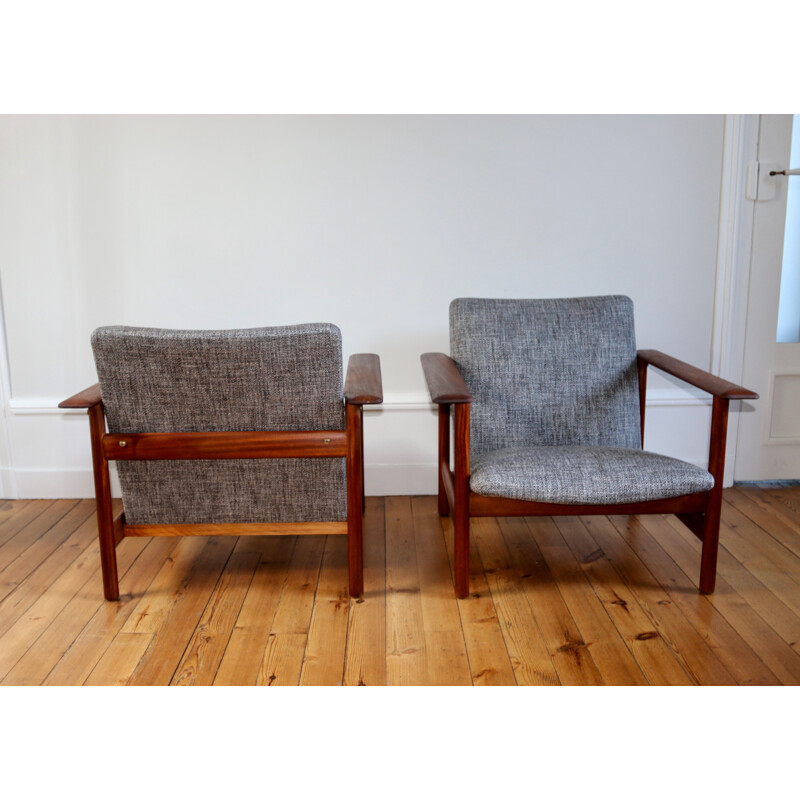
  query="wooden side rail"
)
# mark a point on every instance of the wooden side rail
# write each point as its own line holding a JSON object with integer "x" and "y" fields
{"x": 445, "y": 383}
{"x": 695, "y": 376}
{"x": 362, "y": 384}
{"x": 224, "y": 444}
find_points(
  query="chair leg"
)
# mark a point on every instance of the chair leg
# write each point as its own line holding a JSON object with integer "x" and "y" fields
{"x": 716, "y": 466}
{"x": 105, "y": 515}
{"x": 355, "y": 557}
{"x": 461, "y": 502}
{"x": 708, "y": 557}
{"x": 461, "y": 553}
{"x": 444, "y": 456}
{"x": 355, "y": 500}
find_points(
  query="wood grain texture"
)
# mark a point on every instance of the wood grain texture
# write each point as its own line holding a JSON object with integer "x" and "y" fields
{"x": 365, "y": 658}
{"x": 240, "y": 529}
{"x": 561, "y": 600}
{"x": 86, "y": 399}
{"x": 224, "y": 444}
{"x": 444, "y": 380}
{"x": 695, "y": 376}
{"x": 362, "y": 383}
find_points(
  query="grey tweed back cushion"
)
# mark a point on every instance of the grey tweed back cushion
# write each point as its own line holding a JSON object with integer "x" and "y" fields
{"x": 285, "y": 378}
{"x": 548, "y": 372}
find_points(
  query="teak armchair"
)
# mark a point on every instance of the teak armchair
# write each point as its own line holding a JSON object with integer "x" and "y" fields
{"x": 549, "y": 407}
{"x": 239, "y": 432}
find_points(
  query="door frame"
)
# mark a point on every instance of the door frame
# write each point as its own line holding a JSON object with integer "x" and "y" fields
{"x": 734, "y": 252}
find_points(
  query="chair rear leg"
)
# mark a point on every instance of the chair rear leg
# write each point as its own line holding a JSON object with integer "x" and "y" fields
{"x": 355, "y": 499}
{"x": 105, "y": 514}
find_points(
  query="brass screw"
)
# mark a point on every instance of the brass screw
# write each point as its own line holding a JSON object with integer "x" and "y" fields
{"x": 123, "y": 444}
{"x": 327, "y": 441}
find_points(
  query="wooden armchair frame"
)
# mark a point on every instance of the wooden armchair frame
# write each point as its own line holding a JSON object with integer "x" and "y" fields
{"x": 362, "y": 387}
{"x": 699, "y": 511}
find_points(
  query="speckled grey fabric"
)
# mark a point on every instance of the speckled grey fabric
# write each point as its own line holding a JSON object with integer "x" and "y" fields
{"x": 585, "y": 475}
{"x": 548, "y": 372}
{"x": 284, "y": 378}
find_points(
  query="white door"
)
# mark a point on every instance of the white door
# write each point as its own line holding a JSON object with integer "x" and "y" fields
{"x": 768, "y": 444}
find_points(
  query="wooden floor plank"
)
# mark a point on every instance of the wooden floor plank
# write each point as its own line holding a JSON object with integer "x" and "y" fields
{"x": 786, "y": 498}
{"x": 78, "y": 604}
{"x": 732, "y": 650}
{"x": 757, "y": 596}
{"x": 566, "y": 600}
{"x": 490, "y": 663}
{"x": 171, "y": 638}
{"x": 530, "y": 657}
{"x": 739, "y": 609}
{"x": 764, "y": 557}
{"x": 28, "y": 561}
{"x": 119, "y": 660}
{"x": 245, "y": 651}
{"x": 406, "y": 661}
{"x": 446, "y": 654}
{"x": 777, "y": 520}
{"x": 614, "y": 660}
{"x": 657, "y": 660}
{"x": 12, "y": 508}
{"x": 365, "y": 657}
{"x": 36, "y": 529}
{"x": 571, "y": 656}
{"x": 283, "y": 657}
{"x": 323, "y": 662}
{"x": 23, "y": 514}
{"x": 205, "y": 650}
{"x": 90, "y": 645}
{"x": 667, "y": 619}
{"x": 688, "y": 610}
{"x": 19, "y": 597}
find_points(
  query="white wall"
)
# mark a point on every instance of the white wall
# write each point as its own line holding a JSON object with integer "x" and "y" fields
{"x": 374, "y": 223}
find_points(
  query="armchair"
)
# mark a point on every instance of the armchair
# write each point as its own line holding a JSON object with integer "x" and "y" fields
{"x": 549, "y": 406}
{"x": 231, "y": 433}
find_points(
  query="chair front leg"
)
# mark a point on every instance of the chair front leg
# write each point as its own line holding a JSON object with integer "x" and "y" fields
{"x": 355, "y": 498}
{"x": 716, "y": 466}
{"x": 461, "y": 501}
{"x": 444, "y": 456}
{"x": 105, "y": 515}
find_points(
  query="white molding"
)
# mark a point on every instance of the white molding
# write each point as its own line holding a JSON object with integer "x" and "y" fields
{"x": 734, "y": 247}
{"x": 734, "y": 240}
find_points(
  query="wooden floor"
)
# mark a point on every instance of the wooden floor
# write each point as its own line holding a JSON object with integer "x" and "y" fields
{"x": 580, "y": 601}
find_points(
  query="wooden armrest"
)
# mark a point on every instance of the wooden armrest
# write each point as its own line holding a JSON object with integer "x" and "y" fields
{"x": 363, "y": 385}
{"x": 85, "y": 399}
{"x": 445, "y": 383}
{"x": 696, "y": 377}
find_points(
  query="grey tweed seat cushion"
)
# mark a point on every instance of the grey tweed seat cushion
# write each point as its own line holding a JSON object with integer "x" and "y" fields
{"x": 585, "y": 475}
